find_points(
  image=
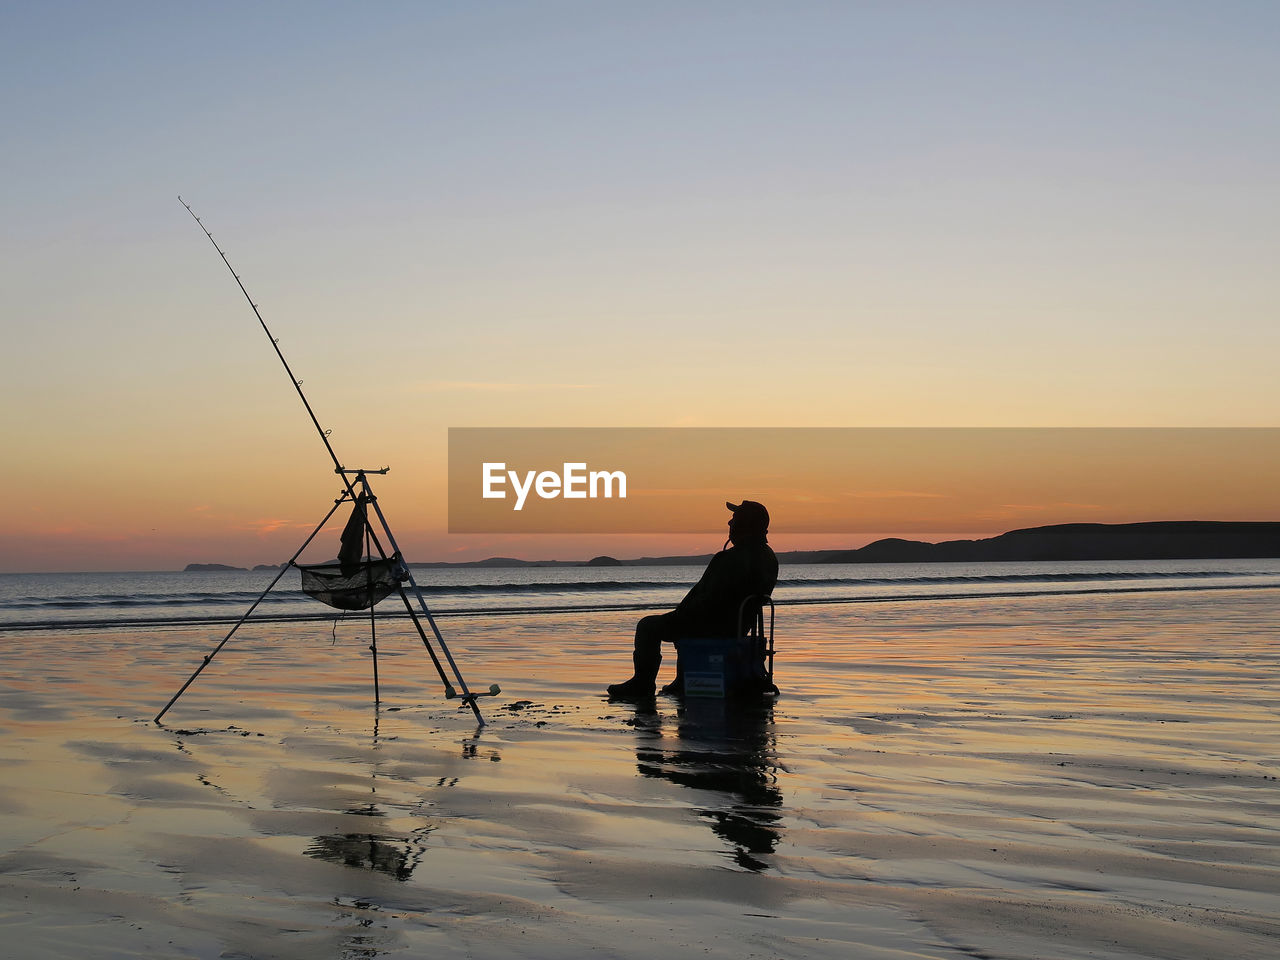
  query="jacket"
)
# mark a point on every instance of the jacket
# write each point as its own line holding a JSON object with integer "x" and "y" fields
{"x": 711, "y": 607}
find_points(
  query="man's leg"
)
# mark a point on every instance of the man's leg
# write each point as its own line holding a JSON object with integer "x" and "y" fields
{"x": 676, "y": 686}
{"x": 646, "y": 657}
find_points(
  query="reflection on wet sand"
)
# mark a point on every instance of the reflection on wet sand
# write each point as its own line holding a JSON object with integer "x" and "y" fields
{"x": 394, "y": 856}
{"x": 721, "y": 748}
{"x": 386, "y": 853}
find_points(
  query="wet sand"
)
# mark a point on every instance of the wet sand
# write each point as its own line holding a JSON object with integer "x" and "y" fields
{"x": 1054, "y": 777}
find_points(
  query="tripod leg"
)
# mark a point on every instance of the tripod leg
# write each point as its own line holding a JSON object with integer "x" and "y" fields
{"x": 254, "y": 606}
{"x": 467, "y": 696}
{"x": 373, "y": 629}
{"x": 413, "y": 615}
{"x": 373, "y": 648}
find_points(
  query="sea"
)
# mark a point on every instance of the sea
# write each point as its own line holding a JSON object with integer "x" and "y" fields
{"x": 62, "y": 601}
{"x": 1031, "y": 760}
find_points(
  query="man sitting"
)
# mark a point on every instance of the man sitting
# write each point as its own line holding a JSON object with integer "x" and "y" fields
{"x": 747, "y": 568}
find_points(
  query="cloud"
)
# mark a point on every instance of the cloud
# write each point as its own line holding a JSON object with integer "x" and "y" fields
{"x": 481, "y": 386}
{"x": 1060, "y": 506}
{"x": 264, "y": 527}
{"x": 895, "y": 495}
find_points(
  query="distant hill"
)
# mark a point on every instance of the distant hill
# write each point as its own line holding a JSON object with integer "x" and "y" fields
{"x": 1159, "y": 540}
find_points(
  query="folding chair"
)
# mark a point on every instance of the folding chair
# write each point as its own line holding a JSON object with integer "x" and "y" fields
{"x": 725, "y": 667}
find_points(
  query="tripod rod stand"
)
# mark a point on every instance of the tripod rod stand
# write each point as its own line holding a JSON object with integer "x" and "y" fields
{"x": 370, "y": 537}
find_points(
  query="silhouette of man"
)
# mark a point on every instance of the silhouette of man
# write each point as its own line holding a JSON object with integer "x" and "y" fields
{"x": 710, "y": 609}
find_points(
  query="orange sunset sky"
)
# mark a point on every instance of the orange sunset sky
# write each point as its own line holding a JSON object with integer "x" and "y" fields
{"x": 970, "y": 214}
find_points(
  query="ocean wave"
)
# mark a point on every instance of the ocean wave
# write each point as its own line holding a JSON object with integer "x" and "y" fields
{"x": 534, "y": 609}
{"x": 1011, "y": 578}
{"x": 116, "y": 601}
{"x": 76, "y": 601}
{"x": 232, "y": 598}
{"x": 293, "y": 595}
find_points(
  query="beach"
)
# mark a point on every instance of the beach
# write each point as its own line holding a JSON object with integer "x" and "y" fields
{"x": 533, "y": 314}
{"x": 1012, "y": 777}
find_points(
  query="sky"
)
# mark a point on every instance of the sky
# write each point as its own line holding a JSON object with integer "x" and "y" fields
{"x": 583, "y": 214}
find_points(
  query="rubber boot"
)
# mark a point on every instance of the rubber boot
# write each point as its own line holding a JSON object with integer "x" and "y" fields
{"x": 676, "y": 687}
{"x": 642, "y": 683}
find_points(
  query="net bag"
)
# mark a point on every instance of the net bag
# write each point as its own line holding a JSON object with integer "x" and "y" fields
{"x": 352, "y": 586}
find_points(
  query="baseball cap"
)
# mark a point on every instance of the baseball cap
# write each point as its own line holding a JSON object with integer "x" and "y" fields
{"x": 751, "y": 513}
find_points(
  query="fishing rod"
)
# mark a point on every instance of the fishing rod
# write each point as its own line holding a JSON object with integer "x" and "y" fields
{"x": 275, "y": 345}
{"x": 338, "y": 468}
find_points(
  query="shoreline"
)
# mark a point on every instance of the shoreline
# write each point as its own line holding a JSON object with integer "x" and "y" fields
{"x": 1062, "y": 776}
{"x": 130, "y": 623}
